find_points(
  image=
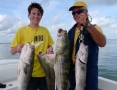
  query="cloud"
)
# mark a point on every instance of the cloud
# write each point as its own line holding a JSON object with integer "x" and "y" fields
{"x": 107, "y": 21}
{"x": 100, "y": 2}
{"x": 114, "y": 26}
{"x": 114, "y": 32}
{"x": 6, "y": 38}
{"x": 104, "y": 21}
{"x": 54, "y": 28}
{"x": 2, "y": 17}
{"x": 11, "y": 24}
{"x": 54, "y": 20}
{"x": 56, "y": 15}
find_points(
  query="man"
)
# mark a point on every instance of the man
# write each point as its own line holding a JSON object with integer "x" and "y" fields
{"x": 34, "y": 34}
{"x": 93, "y": 37}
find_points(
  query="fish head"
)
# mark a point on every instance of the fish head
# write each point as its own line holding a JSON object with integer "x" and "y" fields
{"x": 83, "y": 52}
{"x": 46, "y": 59}
{"x": 42, "y": 55}
{"x": 62, "y": 41}
{"x": 42, "y": 58}
{"x": 27, "y": 53}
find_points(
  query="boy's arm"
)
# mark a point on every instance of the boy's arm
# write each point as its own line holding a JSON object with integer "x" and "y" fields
{"x": 14, "y": 50}
{"x": 17, "y": 49}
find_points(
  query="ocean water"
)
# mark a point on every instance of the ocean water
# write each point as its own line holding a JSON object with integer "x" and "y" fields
{"x": 107, "y": 58}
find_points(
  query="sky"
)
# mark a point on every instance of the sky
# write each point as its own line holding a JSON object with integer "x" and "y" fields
{"x": 14, "y": 14}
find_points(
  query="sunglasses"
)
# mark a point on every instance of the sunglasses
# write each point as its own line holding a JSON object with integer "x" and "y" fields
{"x": 78, "y": 12}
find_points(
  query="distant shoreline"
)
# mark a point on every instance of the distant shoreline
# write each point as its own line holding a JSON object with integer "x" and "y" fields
{"x": 106, "y": 39}
{"x": 5, "y": 43}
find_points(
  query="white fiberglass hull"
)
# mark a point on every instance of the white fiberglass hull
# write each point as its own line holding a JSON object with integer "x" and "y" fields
{"x": 8, "y": 76}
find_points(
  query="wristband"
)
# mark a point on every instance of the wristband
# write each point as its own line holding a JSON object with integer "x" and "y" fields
{"x": 88, "y": 25}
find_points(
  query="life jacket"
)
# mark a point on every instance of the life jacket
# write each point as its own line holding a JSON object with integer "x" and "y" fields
{"x": 93, "y": 48}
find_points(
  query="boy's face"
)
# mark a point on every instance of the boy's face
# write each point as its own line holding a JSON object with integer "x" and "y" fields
{"x": 35, "y": 16}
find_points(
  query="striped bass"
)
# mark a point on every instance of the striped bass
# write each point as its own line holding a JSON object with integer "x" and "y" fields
{"x": 25, "y": 66}
{"x": 80, "y": 67}
{"x": 62, "y": 61}
{"x": 47, "y": 62}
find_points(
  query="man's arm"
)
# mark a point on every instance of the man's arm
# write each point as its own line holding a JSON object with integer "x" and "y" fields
{"x": 97, "y": 36}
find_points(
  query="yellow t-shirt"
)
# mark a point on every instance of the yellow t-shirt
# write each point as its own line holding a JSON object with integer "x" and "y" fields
{"x": 77, "y": 32}
{"x": 34, "y": 35}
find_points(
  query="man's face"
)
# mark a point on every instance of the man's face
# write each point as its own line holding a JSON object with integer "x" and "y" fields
{"x": 35, "y": 16}
{"x": 76, "y": 15}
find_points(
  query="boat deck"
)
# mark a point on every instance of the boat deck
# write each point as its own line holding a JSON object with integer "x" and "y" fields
{"x": 10, "y": 85}
{"x": 8, "y": 76}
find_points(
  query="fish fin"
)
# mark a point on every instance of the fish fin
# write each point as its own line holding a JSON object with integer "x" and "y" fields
{"x": 55, "y": 55}
{"x": 18, "y": 72}
{"x": 25, "y": 60}
{"x": 56, "y": 86}
{"x": 25, "y": 68}
{"x": 75, "y": 88}
{"x": 68, "y": 85}
{"x": 18, "y": 69}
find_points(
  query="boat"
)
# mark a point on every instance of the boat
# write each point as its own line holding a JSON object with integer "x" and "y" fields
{"x": 8, "y": 76}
